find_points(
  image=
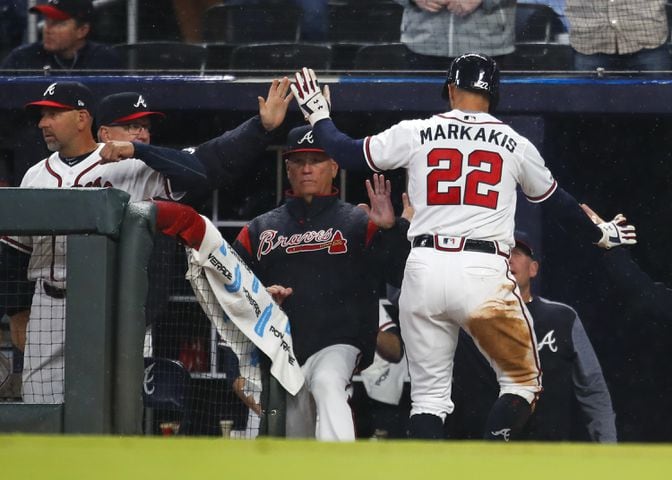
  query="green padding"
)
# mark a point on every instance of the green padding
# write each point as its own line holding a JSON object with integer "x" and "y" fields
{"x": 61, "y": 210}
{"x": 31, "y": 418}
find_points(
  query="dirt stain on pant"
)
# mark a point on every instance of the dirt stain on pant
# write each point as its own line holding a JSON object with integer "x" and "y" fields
{"x": 503, "y": 334}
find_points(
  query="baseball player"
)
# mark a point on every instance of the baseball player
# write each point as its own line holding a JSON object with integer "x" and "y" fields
{"x": 576, "y": 403}
{"x": 66, "y": 121}
{"x": 322, "y": 252}
{"x": 463, "y": 166}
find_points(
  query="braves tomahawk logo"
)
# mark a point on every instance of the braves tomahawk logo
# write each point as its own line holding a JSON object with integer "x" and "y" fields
{"x": 51, "y": 90}
{"x": 548, "y": 340}
{"x": 504, "y": 432}
{"x": 307, "y": 138}
{"x": 331, "y": 241}
{"x": 141, "y": 101}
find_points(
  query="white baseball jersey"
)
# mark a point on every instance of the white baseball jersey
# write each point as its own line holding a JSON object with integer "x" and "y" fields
{"x": 468, "y": 160}
{"x": 133, "y": 176}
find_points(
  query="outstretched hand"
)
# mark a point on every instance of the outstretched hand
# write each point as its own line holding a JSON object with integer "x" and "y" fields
{"x": 381, "y": 211}
{"x": 314, "y": 104}
{"x": 614, "y": 233}
{"x": 273, "y": 109}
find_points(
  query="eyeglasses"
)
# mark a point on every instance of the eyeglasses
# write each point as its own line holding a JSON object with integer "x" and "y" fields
{"x": 135, "y": 128}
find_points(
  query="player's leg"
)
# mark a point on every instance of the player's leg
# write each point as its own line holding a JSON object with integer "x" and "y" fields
{"x": 43, "y": 368}
{"x": 430, "y": 338}
{"x": 502, "y": 329}
{"x": 330, "y": 382}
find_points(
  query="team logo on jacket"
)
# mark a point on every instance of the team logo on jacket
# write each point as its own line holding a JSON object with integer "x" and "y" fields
{"x": 311, "y": 241}
{"x": 549, "y": 341}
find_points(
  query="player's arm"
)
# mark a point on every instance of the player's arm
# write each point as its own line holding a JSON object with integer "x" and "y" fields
{"x": 231, "y": 155}
{"x": 539, "y": 186}
{"x": 316, "y": 107}
{"x": 228, "y": 157}
{"x": 591, "y": 388}
{"x": 184, "y": 170}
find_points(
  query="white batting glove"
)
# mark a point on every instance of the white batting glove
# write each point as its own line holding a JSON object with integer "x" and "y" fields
{"x": 312, "y": 102}
{"x": 616, "y": 233}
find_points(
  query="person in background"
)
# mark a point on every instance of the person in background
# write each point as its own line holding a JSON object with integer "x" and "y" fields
{"x": 65, "y": 46}
{"x": 437, "y": 31}
{"x": 327, "y": 260}
{"x": 619, "y": 35}
{"x": 576, "y": 404}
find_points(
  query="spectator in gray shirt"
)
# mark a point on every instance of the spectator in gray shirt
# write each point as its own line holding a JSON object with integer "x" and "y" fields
{"x": 436, "y": 31}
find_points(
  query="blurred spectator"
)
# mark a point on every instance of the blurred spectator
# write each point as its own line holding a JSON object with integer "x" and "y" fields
{"x": 436, "y": 31}
{"x": 64, "y": 45}
{"x": 189, "y": 14}
{"x": 619, "y": 34}
{"x": 12, "y": 24}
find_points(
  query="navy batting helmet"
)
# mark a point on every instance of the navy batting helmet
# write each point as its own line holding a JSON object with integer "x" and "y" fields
{"x": 475, "y": 72}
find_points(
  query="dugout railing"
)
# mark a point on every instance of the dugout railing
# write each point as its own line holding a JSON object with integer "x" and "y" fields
{"x": 109, "y": 242}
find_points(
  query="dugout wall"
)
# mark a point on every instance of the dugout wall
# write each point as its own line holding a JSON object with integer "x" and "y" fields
{"x": 109, "y": 242}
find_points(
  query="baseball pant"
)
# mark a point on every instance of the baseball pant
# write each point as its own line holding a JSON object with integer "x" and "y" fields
{"x": 443, "y": 291}
{"x": 320, "y": 409}
{"x": 43, "y": 363}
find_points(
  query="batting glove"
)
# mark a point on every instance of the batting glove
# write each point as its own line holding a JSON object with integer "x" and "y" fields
{"x": 616, "y": 233}
{"x": 312, "y": 102}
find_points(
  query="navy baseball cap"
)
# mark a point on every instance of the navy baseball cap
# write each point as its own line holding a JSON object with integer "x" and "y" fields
{"x": 123, "y": 108}
{"x": 65, "y": 9}
{"x": 65, "y": 95}
{"x": 301, "y": 139}
{"x": 525, "y": 243}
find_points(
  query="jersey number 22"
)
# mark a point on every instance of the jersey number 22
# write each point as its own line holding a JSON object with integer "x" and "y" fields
{"x": 451, "y": 161}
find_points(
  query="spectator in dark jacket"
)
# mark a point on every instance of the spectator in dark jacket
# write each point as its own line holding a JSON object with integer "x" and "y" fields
{"x": 64, "y": 45}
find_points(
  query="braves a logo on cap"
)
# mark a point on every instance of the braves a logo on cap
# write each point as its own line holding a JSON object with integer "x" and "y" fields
{"x": 51, "y": 90}
{"x": 141, "y": 101}
{"x": 308, "y": 138}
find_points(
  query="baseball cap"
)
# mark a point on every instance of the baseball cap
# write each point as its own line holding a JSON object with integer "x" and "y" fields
{"x": 525, "y": 243}
{"x": 65, "y": 95}
{"x": 124, "y": 107}
{"x": 65, "y": 9}
{"x": 300, "y": 139}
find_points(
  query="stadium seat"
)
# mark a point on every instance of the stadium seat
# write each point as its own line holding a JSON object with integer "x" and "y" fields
{"x": 165, "y": 56}
{"x": 165, "y": 387}
{"x": 384, "y": 56}
{"x": 365, "y": 22}
{"x": 537, "y": 23}
{"x": 281, "y": 56}
{"x": 540, "y": 57}
{"x": 238, "y": 23}
{"x": 218, "y": 55}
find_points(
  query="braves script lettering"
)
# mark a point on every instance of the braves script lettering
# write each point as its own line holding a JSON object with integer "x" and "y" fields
{"x": 310, "y": 241}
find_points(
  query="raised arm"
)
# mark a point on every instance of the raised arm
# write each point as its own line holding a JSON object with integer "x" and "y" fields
{"x": 316, "y": 107}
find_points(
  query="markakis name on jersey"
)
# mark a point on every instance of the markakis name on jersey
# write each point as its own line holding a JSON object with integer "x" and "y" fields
{"x": 330, "y": 240}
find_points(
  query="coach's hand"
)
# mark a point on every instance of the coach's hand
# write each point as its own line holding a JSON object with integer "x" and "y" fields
{"x": 313, "y": 103}
{"x": 616, "y": 233}
{"x": 273, "y": 109}
{"x": 113, "y": 151}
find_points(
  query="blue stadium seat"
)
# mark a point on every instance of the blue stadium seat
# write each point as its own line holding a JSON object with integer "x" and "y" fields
{"x": 245, "y": 23}
{"x": 162, "y": 55}
{"x": 281, "y": 56}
